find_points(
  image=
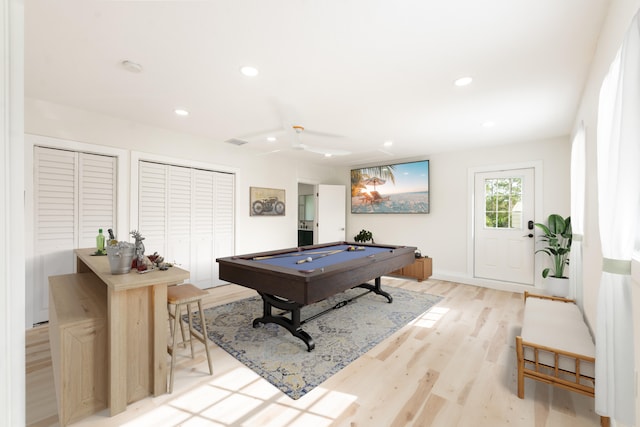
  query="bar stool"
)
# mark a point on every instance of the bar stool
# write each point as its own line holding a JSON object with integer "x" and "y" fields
{"x": 179, "y": 296}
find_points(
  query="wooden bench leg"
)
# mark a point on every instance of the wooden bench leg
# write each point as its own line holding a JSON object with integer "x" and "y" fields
{"x": 520, "y": 357}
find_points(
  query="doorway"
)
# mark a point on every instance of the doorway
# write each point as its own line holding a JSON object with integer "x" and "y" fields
{"x": 504, "y": 235}
{"x": 321, "y": 213}
{"x": 306, "y": 214}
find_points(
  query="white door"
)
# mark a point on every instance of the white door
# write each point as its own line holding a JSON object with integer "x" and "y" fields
{"x": 187, "y": 216}
{"x": 504, "y": 242}
{"x": 74, "y": 196}
{"x": 331, "y": 213}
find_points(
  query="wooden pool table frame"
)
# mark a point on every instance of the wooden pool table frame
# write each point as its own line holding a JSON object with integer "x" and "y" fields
{"x": 290, "y": 289}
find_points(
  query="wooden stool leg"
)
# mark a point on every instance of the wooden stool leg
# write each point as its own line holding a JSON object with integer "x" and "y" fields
{"x": 171, "y": 326}
{"x": 204, "y": 336}
{"x": 190, "y": 329}
{"x": 176, "y": 319}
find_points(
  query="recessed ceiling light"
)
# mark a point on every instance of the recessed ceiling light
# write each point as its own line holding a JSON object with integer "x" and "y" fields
{"x": 463, "y": 81}
{"x": 327, "y": 154}
{"x": 271, "y": 138}
{"x": 488, "y": 124}
{"x": 181, "y": 112}
{"x": 388, "y": 143}
{"x": 134, "y": 67}
{"x": 249, "y": 71}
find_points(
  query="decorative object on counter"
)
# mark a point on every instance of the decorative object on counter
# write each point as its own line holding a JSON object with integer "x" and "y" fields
{"x": 120, "y": 256}
{"x": 112, "y": 238}
{"x": 140, "y": 263}
{"x": 266, "y": 201}
{"x": 100, "y": 243}
{"x": 158, "y": 261}
{"x": 364, "y": 236}
{"x": 418, "y": 253}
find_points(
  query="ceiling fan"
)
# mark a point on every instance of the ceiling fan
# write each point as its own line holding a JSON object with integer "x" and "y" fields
{"x": 297, "y": 144}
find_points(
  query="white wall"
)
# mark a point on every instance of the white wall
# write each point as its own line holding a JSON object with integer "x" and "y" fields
{"x": 443, "y": 233}
{"x": 620, "y": 14}
{"x": 252, "y": 233}
{"x": 12, "y": 275}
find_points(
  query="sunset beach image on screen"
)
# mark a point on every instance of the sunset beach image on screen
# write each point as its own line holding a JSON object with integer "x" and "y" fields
{"x": 400, "y": 188}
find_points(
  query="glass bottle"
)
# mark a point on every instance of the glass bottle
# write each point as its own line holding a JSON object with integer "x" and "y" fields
{"x": 100, "y": 241}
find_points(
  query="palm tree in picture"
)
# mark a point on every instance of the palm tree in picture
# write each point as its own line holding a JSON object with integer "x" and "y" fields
{"x": 360, "y": 176}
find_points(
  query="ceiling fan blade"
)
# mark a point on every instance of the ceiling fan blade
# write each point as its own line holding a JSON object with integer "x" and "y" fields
{"x": 328, "y": 151}
{"x": 262, "y": 133}
{"x": 323, "y": 134}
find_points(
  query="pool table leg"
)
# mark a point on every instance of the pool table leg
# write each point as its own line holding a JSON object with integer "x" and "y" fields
{"x": 293, "y": 325}
{"x": 376, "y": 289}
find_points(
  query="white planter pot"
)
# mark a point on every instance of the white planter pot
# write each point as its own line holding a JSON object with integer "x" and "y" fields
{"x": 557, "y": 286}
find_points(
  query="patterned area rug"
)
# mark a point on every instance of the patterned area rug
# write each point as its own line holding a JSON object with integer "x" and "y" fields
{"x": 341, "y": 336}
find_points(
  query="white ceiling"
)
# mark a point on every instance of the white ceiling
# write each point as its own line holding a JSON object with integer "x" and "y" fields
{"x": 367, "y": 71}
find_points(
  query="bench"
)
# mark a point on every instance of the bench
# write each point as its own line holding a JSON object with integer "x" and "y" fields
{"x": 555, "y": 346}
{"x": 78, "y": 339}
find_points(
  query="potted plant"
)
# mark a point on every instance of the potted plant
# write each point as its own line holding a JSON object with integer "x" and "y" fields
{"x": 557, "y": 238}
{"x": 364, "y": 236}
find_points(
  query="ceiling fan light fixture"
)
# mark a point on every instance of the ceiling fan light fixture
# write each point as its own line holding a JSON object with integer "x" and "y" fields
{"x": 463, "y": 81}
{"x": 131, "y": 66}
{"x": 249, "y": 71}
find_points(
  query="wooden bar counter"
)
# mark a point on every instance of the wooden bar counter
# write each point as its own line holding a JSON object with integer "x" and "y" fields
{"x": 136, "y": 316}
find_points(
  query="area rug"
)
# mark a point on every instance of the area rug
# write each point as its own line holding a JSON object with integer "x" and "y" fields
{"x": 341, "y": 336}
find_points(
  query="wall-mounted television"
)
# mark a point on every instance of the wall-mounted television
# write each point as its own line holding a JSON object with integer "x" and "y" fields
{"x": 400, "y": 188}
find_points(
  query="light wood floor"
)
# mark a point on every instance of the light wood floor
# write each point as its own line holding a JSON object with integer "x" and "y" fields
{"x": 455, "y": 366}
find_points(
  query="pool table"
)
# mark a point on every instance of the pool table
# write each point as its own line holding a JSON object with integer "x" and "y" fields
{"x": 289, "y": 279}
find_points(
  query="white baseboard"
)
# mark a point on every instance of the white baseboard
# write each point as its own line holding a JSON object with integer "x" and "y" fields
{"x": 484, "y": 283}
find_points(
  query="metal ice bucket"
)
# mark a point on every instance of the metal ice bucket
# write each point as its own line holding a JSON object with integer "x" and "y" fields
{"x": 120, "y": 257}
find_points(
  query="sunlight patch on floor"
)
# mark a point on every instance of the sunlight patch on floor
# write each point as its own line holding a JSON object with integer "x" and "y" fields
{"x": 318, "y": 408}
{"x": 232, "y": 409}
{"x": 429, "y": 319}
{"x": 200, "y": 398}
{"x": 162, "y": 416}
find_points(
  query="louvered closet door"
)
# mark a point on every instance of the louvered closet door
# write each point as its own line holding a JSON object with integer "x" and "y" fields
{"x": 179, "y": 216}
{"x": 152, "y": 208}
{"x": 74, "y": 196}
{"x": 224, "y": 243}
{"x": 187, "y": 215}
{"x": 97, "y": 196}
{"x": 203, "y": 229}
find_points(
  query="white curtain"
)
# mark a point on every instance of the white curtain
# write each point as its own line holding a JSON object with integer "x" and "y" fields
{"x": 578, "y": 176}
{"x": 618, "y": 147}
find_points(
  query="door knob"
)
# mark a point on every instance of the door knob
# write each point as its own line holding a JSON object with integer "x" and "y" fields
{"x": 528, "y": 235}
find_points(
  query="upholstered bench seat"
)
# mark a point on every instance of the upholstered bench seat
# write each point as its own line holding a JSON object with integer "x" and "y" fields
{"x": 557, "y": 325}
{"x": 555, "y": 346}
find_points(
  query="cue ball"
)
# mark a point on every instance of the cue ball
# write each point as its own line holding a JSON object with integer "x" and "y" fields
{"x": 309, "y": 259}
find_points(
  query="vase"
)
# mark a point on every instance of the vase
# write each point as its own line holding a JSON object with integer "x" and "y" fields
{"x": 557, "y": 286}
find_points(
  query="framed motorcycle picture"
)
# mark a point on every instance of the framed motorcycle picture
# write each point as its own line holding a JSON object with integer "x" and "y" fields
{"x": 266, "y": 201}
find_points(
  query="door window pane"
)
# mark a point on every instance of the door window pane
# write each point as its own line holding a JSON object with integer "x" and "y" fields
{"x": 503, "y": 202}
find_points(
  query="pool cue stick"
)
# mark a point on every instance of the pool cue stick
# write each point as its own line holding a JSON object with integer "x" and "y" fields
{"x": 336, "y": 251}
{"x": 258, "y": 258}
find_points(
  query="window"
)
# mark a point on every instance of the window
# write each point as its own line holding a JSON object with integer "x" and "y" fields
{"x": 503, "y": 202}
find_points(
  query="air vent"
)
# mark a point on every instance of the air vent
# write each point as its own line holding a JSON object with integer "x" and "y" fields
{"x": 236, "y": 141}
